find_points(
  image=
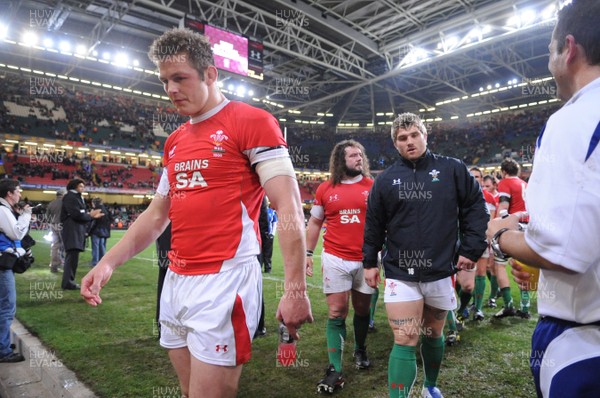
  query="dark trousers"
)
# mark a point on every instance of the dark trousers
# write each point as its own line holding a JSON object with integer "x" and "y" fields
{"x": 267, "y": 253}
{"x": 71, "y": 262}
{"x": 261, "y": 320}
{"x": 163, "y": 245}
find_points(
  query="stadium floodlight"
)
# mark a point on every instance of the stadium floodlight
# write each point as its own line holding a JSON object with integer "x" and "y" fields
{"x": 528, "y": 17}
{"x": 3, "y": 31}
{"x": 450, "y": 43}
{"x": 231, "y": 87}
{"x": 549, "y": 12}
{"x": 81, "y": 49}
{"x": 64, "y": 46}
{"x": 29, "y": 39}
{"x": 106, "y": 55}
{"x": 475, "y": 34}
{"x": 136, "y": 62}
{"x": 121, "y": 59}
{"x": 48, "y": 42}
{"x": 514, "y": 22}
{"x": 251, "y": 92}
{"x": 415, "y": 55}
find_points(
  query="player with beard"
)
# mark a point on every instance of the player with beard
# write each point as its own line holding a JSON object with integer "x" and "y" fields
{"x": 341, "y": 202}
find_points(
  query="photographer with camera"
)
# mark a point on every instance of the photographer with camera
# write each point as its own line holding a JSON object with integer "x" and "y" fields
{"x": 14, "y": 224}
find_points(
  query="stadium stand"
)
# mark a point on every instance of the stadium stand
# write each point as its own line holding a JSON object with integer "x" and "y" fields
{"x": 126, "y": 122}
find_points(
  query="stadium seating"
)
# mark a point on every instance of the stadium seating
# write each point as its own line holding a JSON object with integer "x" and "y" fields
{"x": 118, "y": 121}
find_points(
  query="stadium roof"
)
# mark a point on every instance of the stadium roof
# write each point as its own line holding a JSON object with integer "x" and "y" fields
{"x": 325, "y": 61}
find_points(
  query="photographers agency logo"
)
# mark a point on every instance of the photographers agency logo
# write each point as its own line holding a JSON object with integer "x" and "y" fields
{"x": 44, "y": 291}
{"x": 167, "y": 54}
{"x": 166, "y": 392}
{"x": 415, "y": 191}
{"x": 528, "y": 154}
{"x": 291, "y": 86}
{"x": 165, "y": 122}
{"x": 46, "y": 158}
{"x": 42, "y": 17}
{"x": 39, "y": 358}
{"x": 539, "y": 88}
{"x": 45, "y": 86}
{"x": 299, "y": 157}
{"x": 291, "y": 18}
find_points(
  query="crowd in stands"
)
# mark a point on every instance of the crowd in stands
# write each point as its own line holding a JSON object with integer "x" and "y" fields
{"x": 104, "y": 118}
{"x": 61, "y": 166}
{"x": 475, "y": 141}
{"x": 99, "y": 118}
{"x": 124, "y": 216}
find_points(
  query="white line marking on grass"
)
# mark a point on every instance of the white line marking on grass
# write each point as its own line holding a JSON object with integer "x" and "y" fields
{"x": 276, "y": 279}
{"x": 270, "y": 278}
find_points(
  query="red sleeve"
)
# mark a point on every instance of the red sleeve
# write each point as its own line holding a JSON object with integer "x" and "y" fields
{"x": 504, "y": 187}
{"x": 319, "y": 194}
{"x": 256, "y": 128}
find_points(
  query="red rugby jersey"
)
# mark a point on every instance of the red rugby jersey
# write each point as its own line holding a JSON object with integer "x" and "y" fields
{"x": 214, "y": 191}
{"x": 345, "y": 211}
{"x": 514, "y": 189}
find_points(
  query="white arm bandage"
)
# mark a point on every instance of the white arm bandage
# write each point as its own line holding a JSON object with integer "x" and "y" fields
{"x": 274, "y": 167}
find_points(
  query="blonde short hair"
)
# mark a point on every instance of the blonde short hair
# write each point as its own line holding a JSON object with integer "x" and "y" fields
{"x": 406, "y": 120}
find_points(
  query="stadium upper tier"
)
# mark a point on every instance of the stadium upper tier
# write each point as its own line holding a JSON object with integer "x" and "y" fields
{"x": 124, "y": 121}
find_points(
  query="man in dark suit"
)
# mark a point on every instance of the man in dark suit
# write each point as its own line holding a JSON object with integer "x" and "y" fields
{"x": 74, "y": 218}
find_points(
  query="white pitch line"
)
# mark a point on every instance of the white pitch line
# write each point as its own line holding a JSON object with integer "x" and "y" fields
{"x": 270, "y": 278}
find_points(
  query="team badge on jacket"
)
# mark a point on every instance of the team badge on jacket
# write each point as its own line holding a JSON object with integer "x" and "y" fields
{"x": 434, "y": 175}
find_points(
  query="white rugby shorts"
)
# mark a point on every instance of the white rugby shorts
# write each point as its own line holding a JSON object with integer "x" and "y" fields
{"x": 341, "y": 275}
{"x": 214, "y": 315}
{"x": 437, "y": 294}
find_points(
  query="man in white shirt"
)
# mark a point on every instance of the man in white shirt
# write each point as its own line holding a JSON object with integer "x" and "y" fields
{"x": 564, "y": 207}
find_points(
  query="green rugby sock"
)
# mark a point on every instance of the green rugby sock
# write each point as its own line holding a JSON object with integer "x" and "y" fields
{"x": 432, "y": 352}
{"x": 336, "y": 335}
{"x": 479, "y": 291}
{"x": 507, "y": 297}
{"x": 373, "y": 305}
{"x": 493, "y": 287}
{"x": 451, "y": 320}
{"x": 402, "y": 370}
